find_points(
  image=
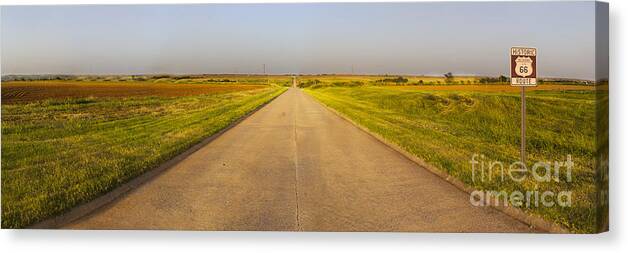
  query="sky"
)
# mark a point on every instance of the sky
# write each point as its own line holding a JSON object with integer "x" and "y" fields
{"x": 427, "y": 38}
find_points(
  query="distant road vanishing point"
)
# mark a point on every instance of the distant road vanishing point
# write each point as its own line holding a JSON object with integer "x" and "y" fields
{"x": 296, "y": 166}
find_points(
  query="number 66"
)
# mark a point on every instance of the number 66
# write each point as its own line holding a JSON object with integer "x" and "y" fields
{"x": 523, "y": 69}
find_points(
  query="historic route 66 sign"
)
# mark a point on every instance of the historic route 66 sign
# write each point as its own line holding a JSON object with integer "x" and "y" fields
{"x": 523, "y": 66}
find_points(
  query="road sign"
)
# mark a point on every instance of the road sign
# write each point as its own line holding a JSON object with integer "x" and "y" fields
{"x": 523, "y": 73}
{"x": 523, "y": 66}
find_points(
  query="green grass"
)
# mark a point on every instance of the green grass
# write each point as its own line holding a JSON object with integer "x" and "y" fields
{"x": 445, "y": 128}
{"x": 57, "y": 154}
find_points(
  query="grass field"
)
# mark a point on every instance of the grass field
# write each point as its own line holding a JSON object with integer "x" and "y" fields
{"x": 62, "y": 150}
{"x": 446, "y": 125}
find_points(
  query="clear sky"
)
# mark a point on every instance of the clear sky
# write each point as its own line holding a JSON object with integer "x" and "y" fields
{"x": 386, "y": 38}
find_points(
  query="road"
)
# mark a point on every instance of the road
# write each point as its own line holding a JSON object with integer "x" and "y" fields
{"x": 296, "y": 166}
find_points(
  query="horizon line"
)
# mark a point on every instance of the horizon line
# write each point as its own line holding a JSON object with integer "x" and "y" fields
{"x": 289, "y": 74}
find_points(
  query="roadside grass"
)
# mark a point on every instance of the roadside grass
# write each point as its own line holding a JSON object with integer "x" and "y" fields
{"x": 58, "y": 153}
{"x": 445, "y": 128}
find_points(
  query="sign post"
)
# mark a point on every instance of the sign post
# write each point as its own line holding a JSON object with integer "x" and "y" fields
{"x": 523, "y": 73}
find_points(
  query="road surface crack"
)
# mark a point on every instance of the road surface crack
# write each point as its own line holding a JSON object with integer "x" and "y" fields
{"x": 296, "y": 163}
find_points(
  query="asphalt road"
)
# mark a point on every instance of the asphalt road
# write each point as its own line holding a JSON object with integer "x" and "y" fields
{"x": 295, "y": 166}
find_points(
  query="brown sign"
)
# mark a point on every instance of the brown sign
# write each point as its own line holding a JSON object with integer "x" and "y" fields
{"x": 523, "y": 66}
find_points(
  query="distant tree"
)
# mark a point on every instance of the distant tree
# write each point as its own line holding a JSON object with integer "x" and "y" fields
{"x": 401, "y": 79}
{"x": 397, "y": 80}
{"x": 449, "y": 77}
{"x": 503, "y": 79}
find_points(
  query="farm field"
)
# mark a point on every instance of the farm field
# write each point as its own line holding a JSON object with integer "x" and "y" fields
{"x": 496, "y": 88}
{"x": 446, "y": 125}
{"x": 60, "y": 150}
{"x": 20, "y": 92}
{"x": 431, "y": 80}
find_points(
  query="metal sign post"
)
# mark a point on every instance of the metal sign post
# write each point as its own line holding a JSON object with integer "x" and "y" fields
{"x": 523, "y": 73}
{"x": 523, "y": 124}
